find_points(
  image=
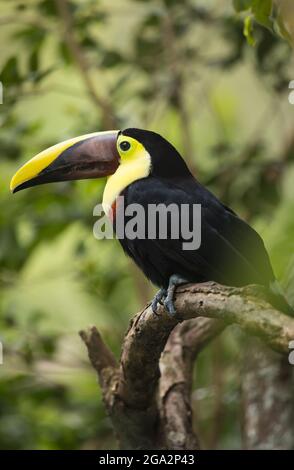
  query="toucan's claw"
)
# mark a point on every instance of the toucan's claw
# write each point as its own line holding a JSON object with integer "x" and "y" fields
{"x": 174, "y": 281}
{"x": 170, "y": 307}
{"x": 158, "y": 299}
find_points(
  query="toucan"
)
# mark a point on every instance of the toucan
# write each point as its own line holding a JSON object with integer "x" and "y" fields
{"x": 144, "y": 168}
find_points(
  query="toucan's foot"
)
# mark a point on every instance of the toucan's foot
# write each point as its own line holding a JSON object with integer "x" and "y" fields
{"x": 174, "y": 281}
{"x": 158, "y": 299}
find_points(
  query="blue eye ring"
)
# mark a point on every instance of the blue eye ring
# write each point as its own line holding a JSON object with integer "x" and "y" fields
{"x": 125, "y": 145}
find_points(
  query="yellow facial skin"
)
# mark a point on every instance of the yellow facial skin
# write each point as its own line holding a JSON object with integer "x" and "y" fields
{"x": 33, "y": 167}
{"x": 135, "y": 164}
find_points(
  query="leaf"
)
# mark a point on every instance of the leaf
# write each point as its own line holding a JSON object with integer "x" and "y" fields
{"x": 152, "y": 20}
{"x": 241, "y": 5}
{"x": 280, "y": 27}
{"x": 48, "y": 8}
{"x": 10, "y": 73}
{"x": 34, "y": 60}
{"x": 111, "y": 59}
{"x": 64, "y": 53}
{"x": 41, "y": 74}
{"x": 262, "y": 10}
{"x": 31, "y": 35}
{"x": 248, "y": 30}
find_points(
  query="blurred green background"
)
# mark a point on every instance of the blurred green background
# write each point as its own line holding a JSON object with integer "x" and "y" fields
{"x": 185, "y": 70}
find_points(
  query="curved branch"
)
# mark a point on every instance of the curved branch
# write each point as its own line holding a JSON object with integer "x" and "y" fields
{"x": 267, "y": 404}
{"x": 132, "y": 387}
{"x": 101, "y": 358}
{"x": 247, "y": 307}
{"x": 175, "y": 387}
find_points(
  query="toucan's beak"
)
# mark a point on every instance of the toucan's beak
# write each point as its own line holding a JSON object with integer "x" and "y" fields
{"x": 88, "y": 156}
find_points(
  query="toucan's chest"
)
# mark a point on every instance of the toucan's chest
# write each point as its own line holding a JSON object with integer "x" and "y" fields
{"x": 144, "y": 193}
{"x": 132, "y": 209}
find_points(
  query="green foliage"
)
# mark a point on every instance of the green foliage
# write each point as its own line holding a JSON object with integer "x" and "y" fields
{"x": 262, "y": 10}
{"x": 266, "y": 13}
{"x": 248, "y": 30}
{"x": 185, "y": 71}
{"x": 241, "y": 5}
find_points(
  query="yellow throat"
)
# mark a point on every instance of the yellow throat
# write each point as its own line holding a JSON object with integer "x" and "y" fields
{"x": 135, "y": 164}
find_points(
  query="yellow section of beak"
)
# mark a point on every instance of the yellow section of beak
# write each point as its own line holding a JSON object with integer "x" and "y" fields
{"x": 33, "y": 167}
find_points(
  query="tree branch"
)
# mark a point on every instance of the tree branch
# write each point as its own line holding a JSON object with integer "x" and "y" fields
{"x": 101, "y": 358}
{"x": 176, "y": 367}
{"x": 247, "y": 307}
{"x": 131, "y": 391}
{"x": 267, "y": 399}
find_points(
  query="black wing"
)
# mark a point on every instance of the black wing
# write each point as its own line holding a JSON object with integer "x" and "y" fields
{"x": 231, "y": 252}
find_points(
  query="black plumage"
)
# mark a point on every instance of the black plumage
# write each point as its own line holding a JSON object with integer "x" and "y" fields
{"x": 231, "y": 252}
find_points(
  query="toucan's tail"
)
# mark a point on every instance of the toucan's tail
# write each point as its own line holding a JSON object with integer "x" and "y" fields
{"x": 278, "y": 300}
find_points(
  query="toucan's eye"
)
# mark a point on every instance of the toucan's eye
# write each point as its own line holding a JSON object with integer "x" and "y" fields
{"x": 125, "y": 145}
